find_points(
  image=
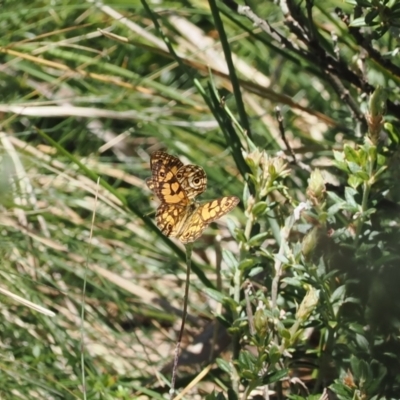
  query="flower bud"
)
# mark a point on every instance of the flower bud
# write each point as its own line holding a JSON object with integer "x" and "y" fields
{"x": 308, "y": 304}
{"x": 316, "y": 187}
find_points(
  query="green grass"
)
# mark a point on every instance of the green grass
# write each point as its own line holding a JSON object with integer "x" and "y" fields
{"x": 88, "y": 92}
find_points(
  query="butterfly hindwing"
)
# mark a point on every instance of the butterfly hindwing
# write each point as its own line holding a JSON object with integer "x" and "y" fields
{"x": 205, "y": 214}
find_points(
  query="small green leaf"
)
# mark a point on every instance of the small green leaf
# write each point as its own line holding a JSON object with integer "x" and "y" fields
{"x": 255, "y": 271}
{"x": 371, "y": 15}
{"x": 380, "y": 171}
{"x": 215, "y": 295}
{"x": 342, "y": 166}
{"x": 349, "y": 194}
{"x": 342, "y": 391}
{"x": 358, "y": 22}
{"x": 354, "y": 181}
{"x": 284, "y": 333}
{"x": 275, "y": 376}
{"x": 351, "y": 154}
{"x": 224, "y": 365}
{"x": 356, "y": 327}
{"x": 392, "y": 133}
{"x": 338, "y": 294}
{"x": 281, "y": 258}
{"x": 274, "y": 355}
{"x": 246, "y": 360}
{"x": 339, "y": 156}
{"x": 354, "y": 167}
{"x": 363, "y": 175}
{"x": 365, "y": 374}
{"x": 259, "y": 208}
{"x": 334, "y": 197}
{"x": 258, "y": 239}
{"x": 362, "y": 342}
{"x": 247, "y": 263}
{"x": 230, "y": 259}
{"x": 355, "y": 362}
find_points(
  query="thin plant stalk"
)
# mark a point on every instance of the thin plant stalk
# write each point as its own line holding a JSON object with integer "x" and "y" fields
{"x": 189, "y": 248}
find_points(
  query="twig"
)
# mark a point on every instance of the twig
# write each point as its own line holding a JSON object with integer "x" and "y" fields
{"x": 249, "y": 311}
{"x": 294, "y": 20}
{"x": 326, "y": 62}
{"x": 310, "y": 20}
{"x": 188, "y": 247}
{"x": 366, "y": 44}
{"x": 266, "y": 27}
{"x": 344, "y": 95}
{"x": 279, "y": 118}
{"x": 332, "y": 68}
{"x": 335, "y": 45}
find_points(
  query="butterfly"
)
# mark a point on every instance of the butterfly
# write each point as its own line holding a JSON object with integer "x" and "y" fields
{"x": 177, "y": 185}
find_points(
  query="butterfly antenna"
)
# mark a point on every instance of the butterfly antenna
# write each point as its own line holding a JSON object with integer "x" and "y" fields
{"x": 188, "y": 247}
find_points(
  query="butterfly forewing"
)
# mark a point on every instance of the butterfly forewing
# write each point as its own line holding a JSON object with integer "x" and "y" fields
{"x": 167, "y": 187}
{"x": 161, "y": 157}
{"x": 193, "y": 180}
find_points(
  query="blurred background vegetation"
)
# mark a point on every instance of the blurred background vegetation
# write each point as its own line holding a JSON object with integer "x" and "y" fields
{"x": 293, "y": 106}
